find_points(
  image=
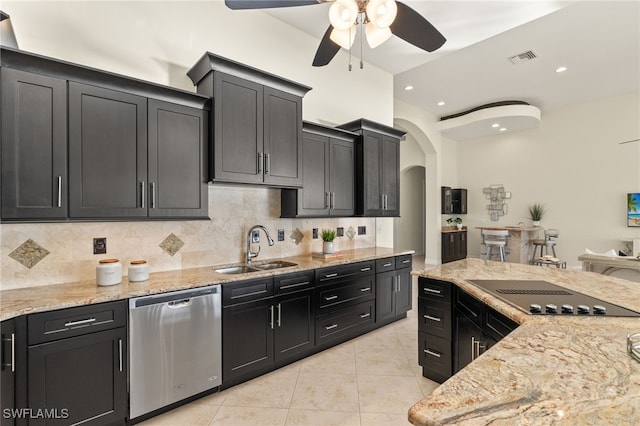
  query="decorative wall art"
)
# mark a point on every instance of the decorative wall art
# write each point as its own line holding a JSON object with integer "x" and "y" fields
{"x": 496, "y": 195}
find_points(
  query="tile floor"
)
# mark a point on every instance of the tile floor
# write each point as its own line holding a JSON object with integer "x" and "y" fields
{"x": 371, "y": 380}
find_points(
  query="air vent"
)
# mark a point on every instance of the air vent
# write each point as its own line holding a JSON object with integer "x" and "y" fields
{"x": 523, "y": 57}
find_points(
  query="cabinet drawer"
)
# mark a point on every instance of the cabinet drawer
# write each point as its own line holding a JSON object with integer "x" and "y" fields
{"x": 497, "y": 325}
{"x": 290, "y": 283}
{"x": 404, "y": 261}
{"x": 246, "y": 291}
{"x": 386, "y": 264}
{"x": 63, "y": 323}
{"x": 470, "y": 306}
{"x": 435, "y": 318}
{"x": 335, "y": 273}
{"x": 343, "y": 320}
{"x": 330, "y": 297}
{"x": 434, "y": 289}
{"x": 434, "y": 355}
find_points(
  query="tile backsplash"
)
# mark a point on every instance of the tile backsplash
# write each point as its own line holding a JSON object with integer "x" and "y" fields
{"x": 165, "y": 245}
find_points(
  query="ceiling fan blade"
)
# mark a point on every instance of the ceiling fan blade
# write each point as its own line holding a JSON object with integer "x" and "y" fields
{"x": 410, "y": 26}
{"x": 267, "y": 4}
{"x": 326, "y": 51}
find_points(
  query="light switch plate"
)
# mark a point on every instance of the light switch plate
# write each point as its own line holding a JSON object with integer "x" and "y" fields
{"x": 100, "y": 245}
{"x": 255, "y": 236}
{"x": 315, "y": 233}
{"x": 340, "y": 231}
{"x": 362, "y": 230}
{"x": 280, "y": 234}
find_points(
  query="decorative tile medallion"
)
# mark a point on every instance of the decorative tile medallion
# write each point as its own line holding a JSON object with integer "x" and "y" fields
{"x": 296, "y": 236}
{"x": 29, "y": 253}
{"x": 351, "y": 232}
{"x": 172, "y": 244}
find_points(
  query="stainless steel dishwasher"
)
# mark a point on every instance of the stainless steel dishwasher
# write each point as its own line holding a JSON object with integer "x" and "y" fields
{"x": 174, "y": 347}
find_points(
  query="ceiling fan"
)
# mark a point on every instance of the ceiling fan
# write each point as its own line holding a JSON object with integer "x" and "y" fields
{"x": 378, "y": 18}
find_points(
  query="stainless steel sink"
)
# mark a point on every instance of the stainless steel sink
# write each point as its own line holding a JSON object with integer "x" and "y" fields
{"x": 241, "y": 269}
{"x": 277, "y": 264}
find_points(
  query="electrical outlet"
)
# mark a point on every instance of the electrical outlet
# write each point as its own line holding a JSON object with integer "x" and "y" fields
{"x": 255, "y": 236}
{"x": 362, "y": 230}
{"x": 280, "y": 234}
{"x": 340, "y": 231}
{"x": 315, "y": 233}
{"x": 100, "y": 245}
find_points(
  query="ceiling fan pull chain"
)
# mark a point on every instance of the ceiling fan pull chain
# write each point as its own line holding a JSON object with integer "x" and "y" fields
{"x": 350, "y": 46}
{"x": 361, "y": 23}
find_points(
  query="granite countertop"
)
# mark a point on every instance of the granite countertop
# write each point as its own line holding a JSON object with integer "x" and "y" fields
{"x": 45, "y": 298}
{"x": 448, "y": 229}
{"x": 614, "y": 261}
{"x": 551, "y": 369}
{"x": 511, "y": 228}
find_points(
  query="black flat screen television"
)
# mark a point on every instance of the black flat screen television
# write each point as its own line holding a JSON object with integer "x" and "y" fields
{"x": 633, "y": 209}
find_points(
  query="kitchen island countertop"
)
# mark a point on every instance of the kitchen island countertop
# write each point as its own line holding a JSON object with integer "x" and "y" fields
{"x": 551, "y": 369}
{"x": 56, "y": 296}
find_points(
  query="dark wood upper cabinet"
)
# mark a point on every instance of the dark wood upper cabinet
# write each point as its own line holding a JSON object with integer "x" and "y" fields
{"x": 135, "y": 149}
{"x": 177, "y": 160}
{"x": 257, "y": 121}
{"x": 34, "y": 146}
{"x": 377, "y": 168}
{"x": 328, "y": 175}
{"x": 107, "y": 153}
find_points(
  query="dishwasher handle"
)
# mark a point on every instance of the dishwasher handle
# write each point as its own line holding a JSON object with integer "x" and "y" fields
{"x": 177, "y": 304}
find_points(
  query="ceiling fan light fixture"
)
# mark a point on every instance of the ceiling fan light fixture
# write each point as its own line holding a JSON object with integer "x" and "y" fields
{"x": 382, "y": 12}
{"x": 343, "y": 14}
{"x": 376, "y": 35}
{"x": 343, "y": 38}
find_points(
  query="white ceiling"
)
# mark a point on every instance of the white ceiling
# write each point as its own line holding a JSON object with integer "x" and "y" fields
{"x": 598, "y": 41}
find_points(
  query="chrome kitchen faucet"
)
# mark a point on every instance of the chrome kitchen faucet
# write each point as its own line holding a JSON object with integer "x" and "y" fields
{"x": 250, "y": 254}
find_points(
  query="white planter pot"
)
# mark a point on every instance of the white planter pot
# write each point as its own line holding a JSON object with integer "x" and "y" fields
{"x": 327, "y": 247}
{"x": 459, "y": 226}
{"x": 536, "y": 223}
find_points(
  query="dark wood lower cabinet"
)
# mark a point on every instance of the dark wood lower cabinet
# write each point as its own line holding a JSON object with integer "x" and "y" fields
{"x": 81, "y": 379}
{"x": 454, "y": 246}
{"x": 294, "y": 331}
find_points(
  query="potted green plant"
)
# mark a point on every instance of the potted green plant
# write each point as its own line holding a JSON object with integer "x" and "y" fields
{"x": 536, "y": 211}
{"x": 456, "y": 220}
{"x": 328, "y": 235}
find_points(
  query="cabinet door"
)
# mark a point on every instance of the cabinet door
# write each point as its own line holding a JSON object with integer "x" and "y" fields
{"x": 342, "y": 189}
{"x": 313, "y": 198}
{"x": 470, "y": 341}
{"x": 83, "y": 378}
{"x": 461, "y": 245}
{"x": 390, "y": 176}
{"x": 177, "y": 185}
{"x": 294, "y": 325}
{"x": 385, "y": 297}
{"x": 34, "y": 146}
{"x": 448, "y": 247}
{"x": 7, "y": 369}
{"x": 238, "y": 130}
{"x": 459, "y": 201}
{"x": 247, "y": 338}
{"x": 403, "y": 291}
{"x": 371, "y": 196}
{"x": 107, "y": 153}
{"x": 282, "y": 138}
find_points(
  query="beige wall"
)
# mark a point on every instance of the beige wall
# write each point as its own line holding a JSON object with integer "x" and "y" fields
{"x": 159, "y": 42}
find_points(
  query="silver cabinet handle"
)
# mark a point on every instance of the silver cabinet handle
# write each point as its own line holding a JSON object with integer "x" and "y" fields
{"x": 13, "y": 352}
{"x": 331, "y": 275}
{"x": 332, "y": 203}
{"x": 365, "y": 269}
{"x": 327, "y": 298}
{"x": 120, "y": 353}
{"x": 259, "y": 163}
{"x": 432, "y": 353}
{"x": 382, "y": 201}
{"x": 279, "y": 315}
{"x": 365, "y": 289}
{"x": 285, "y": 287}
{"x": 396, "y": 284}
{"x": 142, "y": 194}
{"x": 431, "y": 290}
{"x": 267, "y": 163}
{"x": 329, "y": 327}
{"x": 326, "y": 199}
{"x": 404, "y": 262}
{"x": 153, "y": 195}
{"x": 271, "y": 323}
{"x": 386, "y": 265}
{"x": 429, "y": 317}
{"x": 385, "y": 202}
{"x": 367, "y": 315}
{"x": 81, "y": 322}
{"x": 59, "y": 191}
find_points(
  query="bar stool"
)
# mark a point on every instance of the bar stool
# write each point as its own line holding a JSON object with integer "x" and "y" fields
{"x": 495, "y": 238}
{"x": 549, "y": 240}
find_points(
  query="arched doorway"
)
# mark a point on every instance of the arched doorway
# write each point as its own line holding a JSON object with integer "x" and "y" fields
{"x": 409, "y": 232}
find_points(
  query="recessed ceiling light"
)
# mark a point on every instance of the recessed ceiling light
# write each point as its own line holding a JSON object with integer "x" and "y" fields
{"x": 503, "y": 129}
{"x": 408, "y": 87}
{"x": 561, "y": 69}
{"x": 494, "y": 125}
{"x": 441, "y": 103}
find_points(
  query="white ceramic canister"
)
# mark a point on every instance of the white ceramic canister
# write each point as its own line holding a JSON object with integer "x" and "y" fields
{"x": 108, "y": 272}
{"x": 138, "y": 270}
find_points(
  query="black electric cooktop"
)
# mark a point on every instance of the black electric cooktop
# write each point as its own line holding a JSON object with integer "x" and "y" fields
{"x": 545, "y": 298}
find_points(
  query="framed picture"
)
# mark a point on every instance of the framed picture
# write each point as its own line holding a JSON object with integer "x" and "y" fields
{"x": 633, "y": 209}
